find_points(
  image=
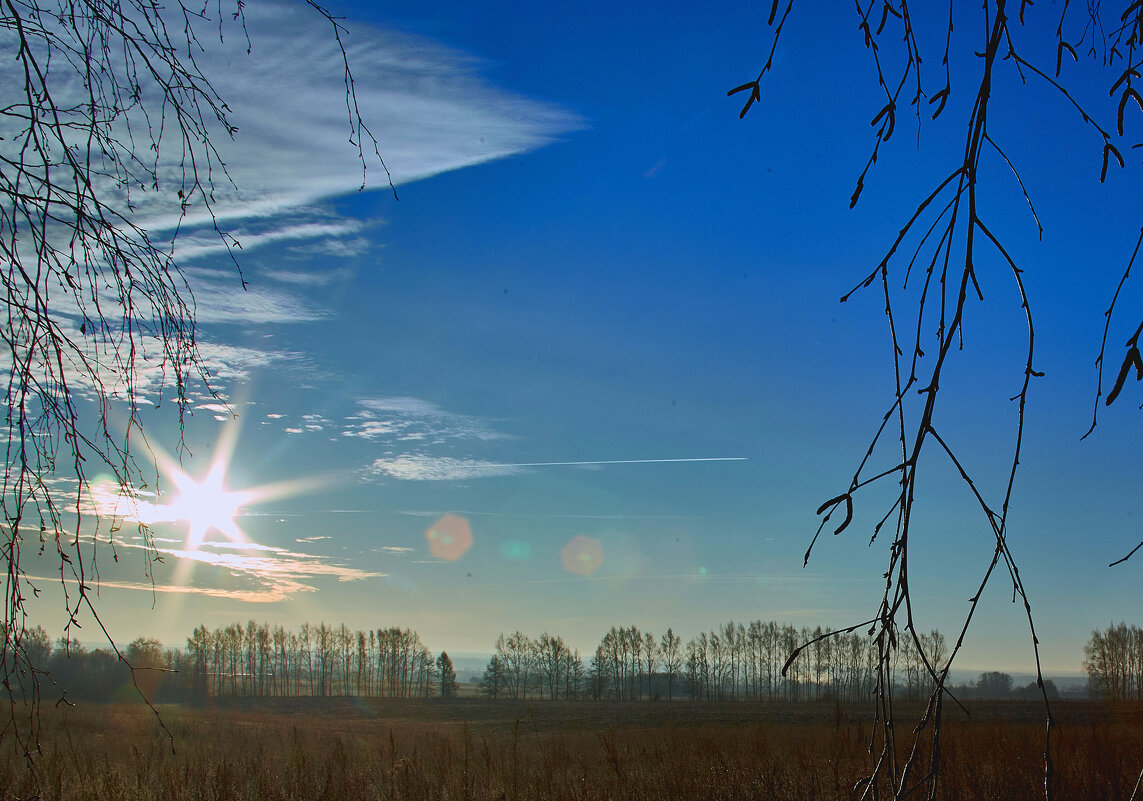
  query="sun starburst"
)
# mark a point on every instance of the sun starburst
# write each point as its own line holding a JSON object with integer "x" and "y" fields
{"x": 204, "y": 503}
{"x": 207, "y": 505}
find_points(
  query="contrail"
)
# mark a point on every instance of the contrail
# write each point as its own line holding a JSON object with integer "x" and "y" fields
{"x": 630, "y": 461}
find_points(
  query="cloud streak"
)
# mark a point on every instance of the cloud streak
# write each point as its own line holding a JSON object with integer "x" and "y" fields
{"x": 428, "y": 105}
{"x": 413, "y": 419}
{"x": 632, "y": 461}
{"x": 415, "y": 467}
{"x": 420, "y": 467}
{"x": 274, "y": 574}
{"x": 264, "y": 595}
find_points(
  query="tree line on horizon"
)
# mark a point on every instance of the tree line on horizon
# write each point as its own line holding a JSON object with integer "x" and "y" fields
{"x": 245, "y": 661}
{"x": 735, "y": 662}
{"x": 315, "y": 660}
{"x": 732, "y": 662}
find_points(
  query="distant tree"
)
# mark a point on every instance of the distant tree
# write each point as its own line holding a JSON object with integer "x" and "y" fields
{"x": 145, "y": 652}
{"x": 345, "y": 648}
{"x": 427, "y": 679}
{"x": 28, "y": 664}
{"x": 305, "y": 666}
{"x": 994, "y": 684}
{"x": 517, "y": 654}
{"x": 553, "y": 658}
{"x": 1113, "y": 661}
{"x": 598, "y": 673}
{"x": 1032, "y": 691}
{"x": 935, "y": 648}
{"x": 820, "y": 660}
{"x": 575, "y": 677}
{"x": 650, "y": 659}
{"x": 609, "y": 656}
{"x": 632, "y": 648}
{"x": 494, "y": 681}
{"x": 669, "y": 647}
{"x": 696, "y": 668}
{"x": 145, "y": 658}
{"x": 199, "y": 662}
{"x": 362, "y": 655}
{"x": 326, "y": 657}
{"x": 447, "y": 675}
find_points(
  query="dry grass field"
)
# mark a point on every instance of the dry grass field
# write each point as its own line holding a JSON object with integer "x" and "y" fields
{"x": 309, "y": 749}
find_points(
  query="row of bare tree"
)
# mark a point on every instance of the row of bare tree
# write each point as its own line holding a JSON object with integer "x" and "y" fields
{"x": 730, "y": 663}
{"x": 1113, "y": 661}
{"x": 235, "y": 660}
{"x": 523, "y": 667}
{"x": 316, "y": 660}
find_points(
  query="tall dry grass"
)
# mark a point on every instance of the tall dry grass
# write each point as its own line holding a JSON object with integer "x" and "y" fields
{"x": 479, "y": 750}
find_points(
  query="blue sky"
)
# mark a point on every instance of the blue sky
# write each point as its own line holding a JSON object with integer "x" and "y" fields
{"x": 605, "y": 308}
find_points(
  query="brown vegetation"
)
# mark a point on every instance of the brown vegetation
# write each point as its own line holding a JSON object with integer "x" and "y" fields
{"x": 306, "y": 748}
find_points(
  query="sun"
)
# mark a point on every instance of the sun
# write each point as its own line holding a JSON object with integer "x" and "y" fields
{"x": 207, "y": 505}
{"x": 201, "y": 502}
{"x": 204, "y": 503}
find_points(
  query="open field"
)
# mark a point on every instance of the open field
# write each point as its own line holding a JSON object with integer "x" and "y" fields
{"x": 474, "y": 749}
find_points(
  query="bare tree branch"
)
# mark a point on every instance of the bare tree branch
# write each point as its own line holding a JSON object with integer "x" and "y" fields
{"x": 109, "y": 103}
{"x": 953, "y": 241}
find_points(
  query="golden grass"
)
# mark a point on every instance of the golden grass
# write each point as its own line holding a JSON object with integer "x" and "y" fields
{"x": 475, "y": 750}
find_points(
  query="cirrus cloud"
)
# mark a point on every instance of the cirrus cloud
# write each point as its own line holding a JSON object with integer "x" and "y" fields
{"x": 419, "y": 467}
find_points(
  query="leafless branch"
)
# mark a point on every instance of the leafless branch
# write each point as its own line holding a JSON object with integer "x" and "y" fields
{"x": 109, "y": 103}
{"x": 953, "y": 240}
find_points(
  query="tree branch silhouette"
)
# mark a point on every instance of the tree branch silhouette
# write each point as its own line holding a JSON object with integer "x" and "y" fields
{"x": 951, "y": 239}
{"x": 112, "y": 105}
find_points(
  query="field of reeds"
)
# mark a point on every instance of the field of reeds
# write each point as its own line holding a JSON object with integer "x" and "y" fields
{"x": 309, "y": 749}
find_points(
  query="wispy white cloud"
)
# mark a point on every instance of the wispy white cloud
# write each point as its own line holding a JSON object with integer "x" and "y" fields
{"x": 268, "y": 594}
{"x": 310, "y": 279}
{"x": 427, "y": 104}
{"x": 406, "y": 418}
{"x": 435, "y": 513}
{"x": 199, "y": 243}
{"x": 270, "y": 573}
{"x": 220, "y": 297}
{"x": 95, "y": 373}
{"x": 285, "y": 571}
{"x": 420, "y": 467}
{"x": 412, "y": 407}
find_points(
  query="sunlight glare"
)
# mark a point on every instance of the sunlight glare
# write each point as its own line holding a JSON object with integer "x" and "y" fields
{"x": 207, "y": 504}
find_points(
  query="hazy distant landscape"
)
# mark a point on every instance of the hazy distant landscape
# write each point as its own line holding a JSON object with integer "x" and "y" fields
{"x": 734, "y": 662}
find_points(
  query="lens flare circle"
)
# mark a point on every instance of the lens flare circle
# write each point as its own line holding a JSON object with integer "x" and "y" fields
{"x": 582, "y": 555}
{"x": 449, "y": 538}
